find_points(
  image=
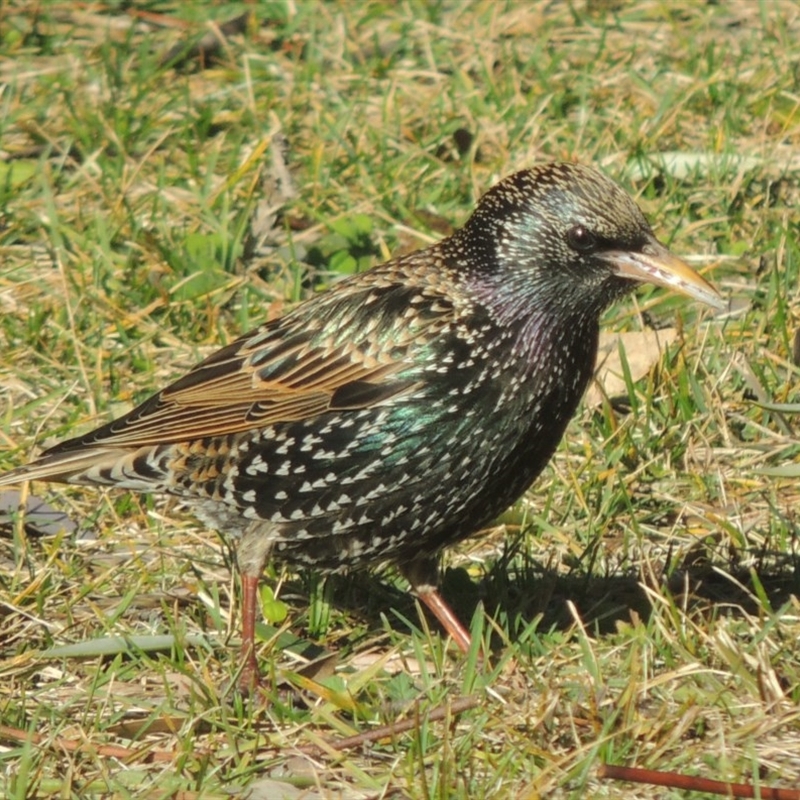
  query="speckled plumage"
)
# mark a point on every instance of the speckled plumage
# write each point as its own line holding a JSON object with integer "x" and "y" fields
{"x": 408, "y": 406}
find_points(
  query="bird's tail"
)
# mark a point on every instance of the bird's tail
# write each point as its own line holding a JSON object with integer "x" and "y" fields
{"x": 98, "y": 466}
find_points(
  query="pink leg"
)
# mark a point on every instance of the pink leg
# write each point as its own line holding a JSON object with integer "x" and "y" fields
{"x": 249, "y": 678}
{"x": 447, "y": 619}
{"x": 251, "y": 554}
{"x": 423, "y": 575}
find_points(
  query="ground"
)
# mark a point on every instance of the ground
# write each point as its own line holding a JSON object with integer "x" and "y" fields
{"x": 172, "y": 174}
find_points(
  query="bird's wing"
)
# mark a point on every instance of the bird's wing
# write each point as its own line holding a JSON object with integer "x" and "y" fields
{"x": 336, "y": 355}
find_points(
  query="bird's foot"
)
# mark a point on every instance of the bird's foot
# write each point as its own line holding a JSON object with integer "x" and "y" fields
{"x": 249, "y": 682}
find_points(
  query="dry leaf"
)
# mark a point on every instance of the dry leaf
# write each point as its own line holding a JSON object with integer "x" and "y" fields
{"x": 642, "y": 351}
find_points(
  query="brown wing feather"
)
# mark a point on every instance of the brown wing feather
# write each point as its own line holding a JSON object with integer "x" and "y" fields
{"x": 232, "y": 402}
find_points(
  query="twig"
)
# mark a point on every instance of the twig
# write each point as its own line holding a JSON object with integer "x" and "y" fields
{"x": 145, "y": 755}
{"x": 676, "y": 780}
{"x": 140, "y": 754}
{"x": 457, "y": 706}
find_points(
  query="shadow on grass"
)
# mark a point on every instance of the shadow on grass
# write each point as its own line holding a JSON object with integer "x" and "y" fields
{"x": 516, "y": 589}
{"x": 520, "y": 593}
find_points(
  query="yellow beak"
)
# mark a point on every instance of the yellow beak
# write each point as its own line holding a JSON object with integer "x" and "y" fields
{"x": 657, "y": 265}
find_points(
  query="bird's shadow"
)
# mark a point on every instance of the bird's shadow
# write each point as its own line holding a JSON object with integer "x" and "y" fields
{"x": 520, "y": 594}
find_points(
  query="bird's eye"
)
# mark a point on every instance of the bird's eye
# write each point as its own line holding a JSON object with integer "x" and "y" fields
{"x": 581, "y": 239}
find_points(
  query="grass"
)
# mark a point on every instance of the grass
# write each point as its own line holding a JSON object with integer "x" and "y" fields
{"x": 640, "y": 602}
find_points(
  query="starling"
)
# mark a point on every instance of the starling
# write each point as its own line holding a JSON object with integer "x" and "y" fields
{"x": 405, "y": 408}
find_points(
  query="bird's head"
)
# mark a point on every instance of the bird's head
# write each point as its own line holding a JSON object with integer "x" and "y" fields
{"x": 563, "y": 237}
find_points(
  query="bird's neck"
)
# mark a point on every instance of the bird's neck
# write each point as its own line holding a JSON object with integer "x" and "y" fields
{"x": 544, "y": 324}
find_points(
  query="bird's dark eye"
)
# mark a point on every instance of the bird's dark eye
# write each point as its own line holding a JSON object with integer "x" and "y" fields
{"x": 581, "y": 239}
